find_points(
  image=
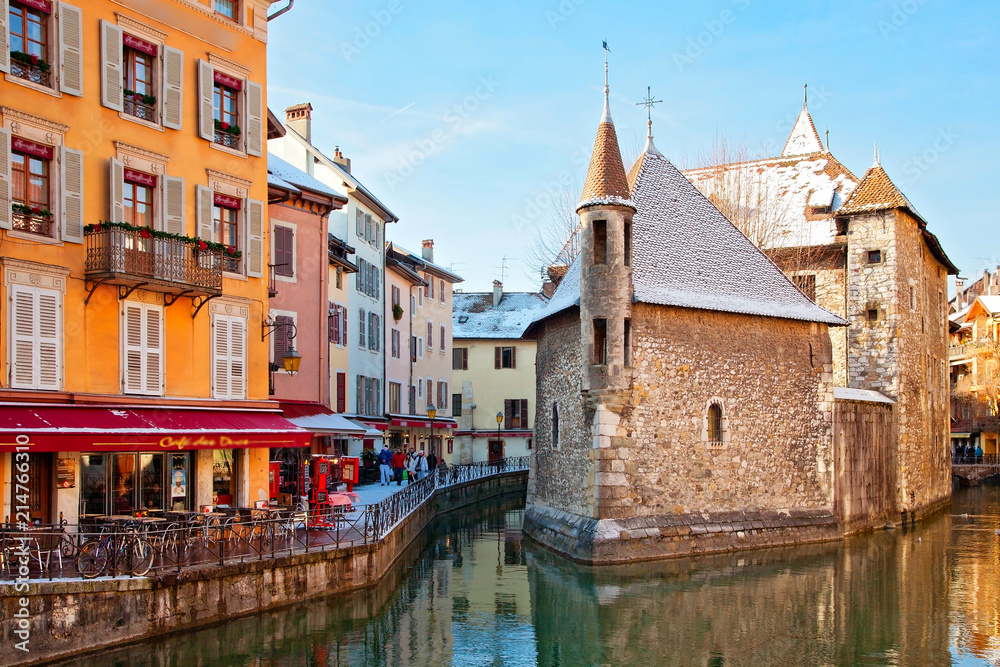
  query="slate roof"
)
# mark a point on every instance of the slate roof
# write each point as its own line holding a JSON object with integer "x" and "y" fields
{"x": 686, "y": 253}
{"x": 279, "y": 171}
{"x": 474, "y": 316}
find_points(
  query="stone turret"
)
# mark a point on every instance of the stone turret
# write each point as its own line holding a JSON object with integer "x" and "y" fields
{"x": 605, "y": 211}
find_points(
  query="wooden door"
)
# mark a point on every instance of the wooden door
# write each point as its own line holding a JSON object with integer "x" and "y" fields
{"x": 35, "y": 497}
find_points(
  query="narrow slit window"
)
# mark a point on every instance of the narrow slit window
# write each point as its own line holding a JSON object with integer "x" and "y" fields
{"x": 555, "y": 425}
{"x": 600, "y": 341}
{"x": 600, "y": 241}
{"x": 628, "y": 342}
{"x": 628, "y": 242}
{"x": 715, "y": 423}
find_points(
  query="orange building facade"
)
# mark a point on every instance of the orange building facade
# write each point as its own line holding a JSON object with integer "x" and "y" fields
{"x": 134, "y": 247}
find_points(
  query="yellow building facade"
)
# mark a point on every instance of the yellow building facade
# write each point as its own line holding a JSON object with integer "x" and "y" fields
{"x": 133, "y": 243}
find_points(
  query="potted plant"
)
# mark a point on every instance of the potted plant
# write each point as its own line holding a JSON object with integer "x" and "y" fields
{"x": 30, "y": 210}
{"x": 368, "y": 458}
{"x": 397, "y": 312}
{"x": 30, "y": 60}
{"x": 226, "y": 128}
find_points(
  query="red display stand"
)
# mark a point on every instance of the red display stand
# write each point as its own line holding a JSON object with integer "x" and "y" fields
{"x": 350, "y": 471}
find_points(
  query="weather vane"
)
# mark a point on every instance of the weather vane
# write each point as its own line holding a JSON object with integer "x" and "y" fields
{"x": 648, "y": 103}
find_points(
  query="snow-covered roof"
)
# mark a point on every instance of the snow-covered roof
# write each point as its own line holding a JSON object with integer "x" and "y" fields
{"x": 959, "y": 316}
{"x": 422, "y": 264}
{"x": 804, "y": 139}
{"x": 850, "y": 394}
{"x": 279, "y": 183}
{"x": 475, "y": 316}
{"x": 300, "y": 180}
{"x": 991, "y": 303}
{"x": 686, "y": 253}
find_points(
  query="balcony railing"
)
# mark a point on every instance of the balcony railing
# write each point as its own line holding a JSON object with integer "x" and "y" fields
{"x": 140, "y": 110}
{"x": 227, "y": 140}
{"x": 32, "y": 73}
{"x": 124, "y": 254}
{"x": 967, "y": 349}
{"x": 33, "y": 224}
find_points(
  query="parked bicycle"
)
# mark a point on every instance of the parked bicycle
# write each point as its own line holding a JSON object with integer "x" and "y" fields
{"x": 113, "y": 552}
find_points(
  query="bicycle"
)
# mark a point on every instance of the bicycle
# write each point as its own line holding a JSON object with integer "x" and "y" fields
{"x": 113, "y": 552}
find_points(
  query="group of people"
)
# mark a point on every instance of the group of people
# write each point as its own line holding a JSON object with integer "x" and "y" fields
{"x": 969, "y": 454}
{"x": 392, "y": 464}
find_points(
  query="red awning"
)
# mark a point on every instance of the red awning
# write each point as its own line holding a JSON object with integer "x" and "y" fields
{"x": 423, "y": 423}
{"x": 87, "y": 428}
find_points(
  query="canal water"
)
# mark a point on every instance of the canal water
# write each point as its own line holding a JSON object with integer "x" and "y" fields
{"x": 478, "y": 594}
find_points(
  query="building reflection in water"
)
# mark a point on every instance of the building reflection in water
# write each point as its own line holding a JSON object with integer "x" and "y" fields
{"x": 476, "y": 594}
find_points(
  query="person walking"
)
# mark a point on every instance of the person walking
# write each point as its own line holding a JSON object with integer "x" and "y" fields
{"x": 420, "y": 465}
{"x": 411, "y": 471}
{"x": 398, "y": 462}
{"x": 385, "y": 465}
{"x": 432, "y": 461}
{"x": 979, "y": 453}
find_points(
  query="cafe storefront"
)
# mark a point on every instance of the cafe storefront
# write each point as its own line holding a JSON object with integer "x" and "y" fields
{"x": 75, "y": 462}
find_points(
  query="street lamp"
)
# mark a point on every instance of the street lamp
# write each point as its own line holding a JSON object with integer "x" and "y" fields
{"x": 499, "y": 420}
{"x": 431, "y": 411}
{"x": 291, "y": 361}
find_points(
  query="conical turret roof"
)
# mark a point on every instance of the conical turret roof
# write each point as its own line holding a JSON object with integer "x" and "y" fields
{"x": 606, "y": 182}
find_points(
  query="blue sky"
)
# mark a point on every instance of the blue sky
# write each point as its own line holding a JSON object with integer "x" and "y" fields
{"x": 463, "y": 117}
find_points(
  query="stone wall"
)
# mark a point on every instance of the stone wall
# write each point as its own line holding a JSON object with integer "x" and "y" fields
{"x": 74, "y": 616}
{"x": 864, "y": 437}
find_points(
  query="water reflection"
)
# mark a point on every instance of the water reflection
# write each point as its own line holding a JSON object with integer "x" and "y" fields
{"x": 476, "y": 594}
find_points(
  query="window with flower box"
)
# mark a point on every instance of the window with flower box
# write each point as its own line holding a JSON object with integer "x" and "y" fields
{"x": 237, "y": 224}
{"x": 31, "y": 187}
{"x": 42, "y": 49}
{"x": 231, "y": 111}
{"x": 139, "y": 96}
{"x": 140, "y": 79}
{"x": 225, "y": 223}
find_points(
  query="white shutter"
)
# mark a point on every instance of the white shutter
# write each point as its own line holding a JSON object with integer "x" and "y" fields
{"x": 255, "y": 238}
{"x": 153, "y": 350}
{"x": 237, "y": 360}
{"x": 206, "y": 101}
{"x": 220, "y": 356}
{"x": 255, "y": 119}
{"x": 5, "y": 213}
{"x": 205, "y": 202}
{"x": 117, "y": 190}
{"x": 368, "y": 227}
{"x": 71, "y": 172}
{"x": 49, "y": 340}
{"x": 173, "y": 205}
{"x": 71, "y": 49}
{"x": 112, "y": 58}
{"x": 132, "y": 348}
{"x": 173, "y": 87}
{"x": 23, "y": 336}
{"x": 4, "y": 36}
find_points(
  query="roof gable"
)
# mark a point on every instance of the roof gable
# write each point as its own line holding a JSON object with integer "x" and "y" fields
{"x": 804, "y": 139}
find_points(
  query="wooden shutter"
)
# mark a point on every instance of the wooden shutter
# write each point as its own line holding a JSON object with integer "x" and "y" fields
{"x": 255, "y": 119}
{"x": 117, "y": 182}
{"x": 153, "y": 352}
{"x": 23, "y": 338}
{"x": 173, "y": 88}
{"x": 370, "y": 233}
{"x": 524, "y": 413}
{"x": 361, "y": 395}
{"x": 143, "y": 363}
{"x": 343, "y": 326}
{"x": 282, "y": 337}
{"x": 6, "y": 221}
{"x": 132, "y": 363}
{"x": 71, "y": 172}
{"x": 205, "y": 202}
{"x": 173, "y": 205}
{"x": 49, "y": 340}
{"x": 4, "y": 36}
{"x": 508, "y": 412}
{"x": 112, "y": 58}
{"x": 359, "y": 222}
{"x": 36, "y": 338}
{"x": 465, "y": 358}
{"x": 430, "y": 391}
{"x": 443, "y": 346}
{"x": 497, "y": 353}
{"x": 71, "y": 49}
{"x": 206, "y": 101}
{"x": 220, "y": 356}
{"x": 255, "y": 238}
{"x": 237, "y": 357}
{"x": 513, "y": 357}
{"x": 341, "y": 392}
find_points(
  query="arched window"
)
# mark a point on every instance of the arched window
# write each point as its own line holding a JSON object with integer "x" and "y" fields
{"x": 555, "y": 425}
{"x": 715, "y": 423}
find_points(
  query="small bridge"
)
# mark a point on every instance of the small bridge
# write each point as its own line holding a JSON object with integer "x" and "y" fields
{"x": 973, "y": 469}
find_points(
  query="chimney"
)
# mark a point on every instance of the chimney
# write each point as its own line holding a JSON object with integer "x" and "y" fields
{"x": 497, "y": 292}
{"x": 427, "y": 249}
{"x": 299, "y": 118}
{"x": 548, "y": 289}
{"x": 339, "y": 158}
{"x": 959, "y": 293}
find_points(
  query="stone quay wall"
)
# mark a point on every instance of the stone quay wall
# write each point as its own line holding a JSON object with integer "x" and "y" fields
{"x": 72, "y": 617}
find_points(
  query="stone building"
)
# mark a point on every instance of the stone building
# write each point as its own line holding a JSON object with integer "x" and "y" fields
{"x": 861, "y": 250}
{"x": 685, "y": 394}
{"x": 974, "y": 357}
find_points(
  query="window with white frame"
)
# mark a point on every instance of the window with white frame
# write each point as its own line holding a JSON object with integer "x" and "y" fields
{"x": 227, "y": 8}
{"x": 395, "y": 344}
{"x": 374, "y": 332}
{"x": 142, "y": 348}
{"x": 229, "y": 339}
{"x": 35, "y": 333}
{"x": 430, "y": 335}
{"x": 237, "y": 224}
{"x": 441, "y": 290}
{"x": 231, "y": 108}
{"x": 44, "y": 48}
{"x": 283, "y": 253}
{"x": 142, "y": 80}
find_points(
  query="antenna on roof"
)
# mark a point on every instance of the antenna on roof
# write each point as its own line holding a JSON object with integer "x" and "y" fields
{"x": 503, "y": 266}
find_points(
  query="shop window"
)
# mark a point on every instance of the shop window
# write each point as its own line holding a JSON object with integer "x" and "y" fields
{"x": 93, "y": 485}
{"x": 123, "y": 469}
{"x": 224, "y": 477}
{"x": 36, "y": 494}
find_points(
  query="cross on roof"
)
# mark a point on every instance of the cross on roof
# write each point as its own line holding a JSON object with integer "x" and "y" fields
{"x": 648, "y": 103}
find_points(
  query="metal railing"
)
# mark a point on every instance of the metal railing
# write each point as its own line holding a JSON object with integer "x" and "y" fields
{"x": 33, "y": 73}
{"x": 140, "y": 110}
{"x": 145, "y": 546}
{"x": 972, "y": 459}
{"x": 228, "y": 140}
{"x": 114, "y": 251}
{"x": 32, "y": 224}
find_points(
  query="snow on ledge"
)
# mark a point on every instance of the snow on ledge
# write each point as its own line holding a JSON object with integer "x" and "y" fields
{"x": 613, "y": 200}
{"x": 849, "y": 394}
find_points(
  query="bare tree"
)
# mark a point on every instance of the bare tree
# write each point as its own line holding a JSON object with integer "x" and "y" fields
{"x": 556, "y": 241}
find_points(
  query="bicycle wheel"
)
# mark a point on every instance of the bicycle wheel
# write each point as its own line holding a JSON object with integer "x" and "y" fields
{"x": 67, "y": 545}
{"x": 92, "y": 559}
{"x": 140, "y": 557}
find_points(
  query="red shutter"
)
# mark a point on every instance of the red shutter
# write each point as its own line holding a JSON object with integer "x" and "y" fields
{"x": 341, "y": 392}
{"x": 513, "y": 357}
{"x": 508, "y": 412}
{"x": 465, "y": 358}
{"x": 282, "y": 337}
{"x": 442, "y": 338}
{"x": 496, "y": 357}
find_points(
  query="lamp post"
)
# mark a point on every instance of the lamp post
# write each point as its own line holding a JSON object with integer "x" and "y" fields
{"x": 499, "y": 445}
